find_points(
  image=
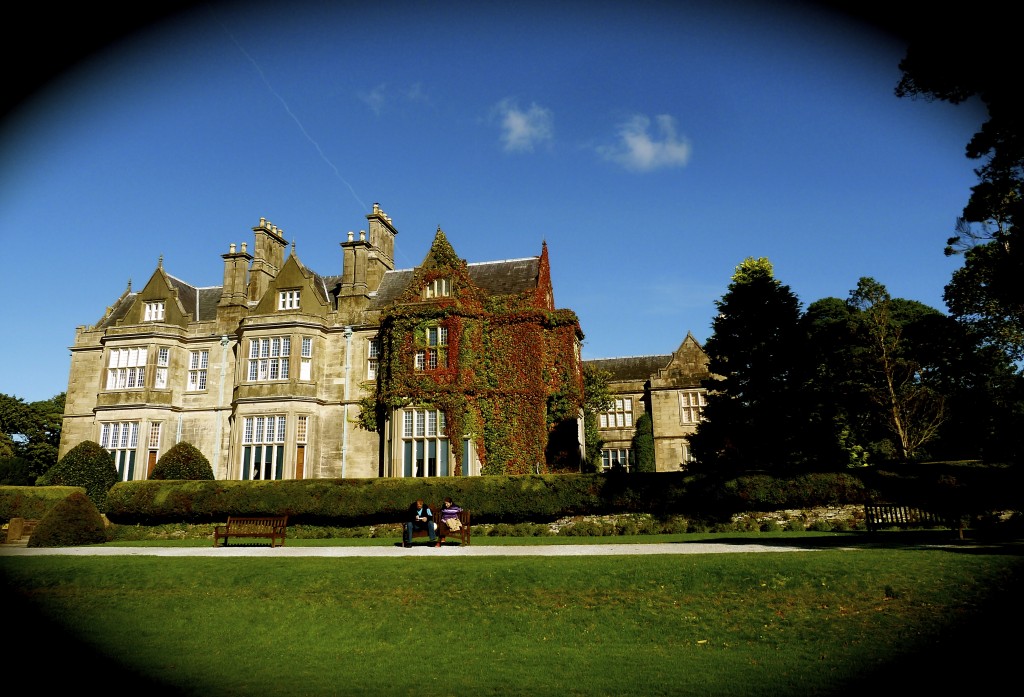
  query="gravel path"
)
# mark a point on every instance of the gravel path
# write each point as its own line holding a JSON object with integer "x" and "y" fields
{"x": 448, "y": 551}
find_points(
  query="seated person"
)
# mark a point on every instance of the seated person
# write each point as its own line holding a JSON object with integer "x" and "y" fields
{"x": 449, "y": 518}
{"x": 420, "y": 518}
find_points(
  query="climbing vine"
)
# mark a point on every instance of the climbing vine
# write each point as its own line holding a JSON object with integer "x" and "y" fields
{"x": 509, "y": 375}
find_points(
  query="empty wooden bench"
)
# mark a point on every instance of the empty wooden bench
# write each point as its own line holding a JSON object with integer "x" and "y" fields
{"x": 891, "y": 515}
{"x": 464, "y": 534}
{"x": 266, "y": 527}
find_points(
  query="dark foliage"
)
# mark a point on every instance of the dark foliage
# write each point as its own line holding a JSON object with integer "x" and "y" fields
{"x": 183, "y": 461}
{"x": 643, "y": 444}
{"x": 86, "y": 465}
{"x": 71, "y": 522}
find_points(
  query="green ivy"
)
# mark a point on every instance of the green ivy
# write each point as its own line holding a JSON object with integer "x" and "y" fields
{"x": 509, "y": 376}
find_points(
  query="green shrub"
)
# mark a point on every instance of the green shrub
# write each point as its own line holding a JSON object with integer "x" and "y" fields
{"x": 820, "y": 526}
{"x": 86, "y": 465}
{"x": 32, "y": 502}
{"x": 16, "y": 471}
{"x": 183, "y": 461}
{"x": 71, "y": 522}
{"x": 795, "y": 525}
{"x": 675, "y": 524}
{"x": 770, "y": 525}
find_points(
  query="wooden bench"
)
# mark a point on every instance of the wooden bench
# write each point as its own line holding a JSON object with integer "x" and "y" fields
{"x": 270, "y": 527}
{"x": 891, "y": 515}
{"x": 464, "y": 534}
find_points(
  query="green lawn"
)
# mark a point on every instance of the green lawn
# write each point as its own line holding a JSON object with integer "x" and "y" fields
{"x": 828, "y": 622}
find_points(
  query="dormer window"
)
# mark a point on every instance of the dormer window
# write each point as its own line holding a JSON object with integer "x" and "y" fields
{"x": 154, "y": 311}
{"x": 288, "y": 300}
{"x": 438, "y": 288}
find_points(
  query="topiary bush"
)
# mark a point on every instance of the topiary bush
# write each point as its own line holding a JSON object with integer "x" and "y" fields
{"x": 71, "y": 522}
{"x": 86, "y": 465}
{"x": 183, "y": 461}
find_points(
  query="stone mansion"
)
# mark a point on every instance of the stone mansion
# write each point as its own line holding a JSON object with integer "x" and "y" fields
{"x": 449, "y": 368}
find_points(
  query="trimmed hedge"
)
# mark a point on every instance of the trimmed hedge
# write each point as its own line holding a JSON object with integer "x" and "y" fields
{"x": 73, "y": 521}
{"x": 493, "y": 499}
{"x": 183, "y": 461}
{"x": 516, "y": 499}
{"x": 87, "y": 465}
{"x": 32, "y": 502}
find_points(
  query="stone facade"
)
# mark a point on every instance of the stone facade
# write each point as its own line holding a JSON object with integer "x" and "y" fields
{"x": 670, "y": 388}
{"x": 268, "y": 373}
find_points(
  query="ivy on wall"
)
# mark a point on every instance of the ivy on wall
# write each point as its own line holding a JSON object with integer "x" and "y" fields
{"x": 510, "y": 376}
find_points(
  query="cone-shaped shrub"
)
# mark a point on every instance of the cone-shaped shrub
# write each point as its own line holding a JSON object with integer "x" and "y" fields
{"x": 183, "y": 461}
{"x": 86, "y": 465}
{"x": 71, "y": 522}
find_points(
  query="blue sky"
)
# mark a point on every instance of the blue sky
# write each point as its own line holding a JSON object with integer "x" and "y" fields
{"x": 653, "y": 146}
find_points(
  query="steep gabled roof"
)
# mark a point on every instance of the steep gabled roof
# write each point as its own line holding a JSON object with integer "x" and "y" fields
{"x": 507, "y": 277}
{"x": 201, "y": 303}
{"x": 117, "y": 311}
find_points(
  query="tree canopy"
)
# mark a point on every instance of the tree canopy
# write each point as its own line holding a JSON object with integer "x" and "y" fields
{"x": 975, "y": 59}
{"x": 752, "y": 349}
{"x": 29, "y": 437}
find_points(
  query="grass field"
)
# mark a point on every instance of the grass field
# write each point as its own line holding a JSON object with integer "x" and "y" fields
{"x": 829, "y": 622}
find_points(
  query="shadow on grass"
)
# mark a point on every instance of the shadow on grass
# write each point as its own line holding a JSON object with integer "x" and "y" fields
{"x": 883, "y": 539}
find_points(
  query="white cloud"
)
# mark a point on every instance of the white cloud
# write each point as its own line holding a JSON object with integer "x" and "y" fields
{"x": 375, "y": 98}
{"x": 638, "y": 150}
{"x": 522, "y": 130}
{"x": 381, "y": 96}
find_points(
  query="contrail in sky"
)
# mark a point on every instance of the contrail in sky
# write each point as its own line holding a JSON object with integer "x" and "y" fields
{"x": 294, "y": 117}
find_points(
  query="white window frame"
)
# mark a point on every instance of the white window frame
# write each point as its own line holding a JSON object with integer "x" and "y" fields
{"x": 609, "y": 456}
{"x": 372, "y": 358}
{"x": 437, "y": 288}
{"x": 620, "y": 415}
{"x": 436, "y": 353}
{"x": 126, "y": 368}
{"x": 288, "y": 300}
{"x": 691, "y": 406}
{"x": 163, "y": 359}
{"x": 154, "y": 311}
{"x": 268, "y": 358}
{"x": 121, "y": 439}
{"x": 424, "y": 449}
{"x": 263, "y": 447}
{"x": 198, "y": 363}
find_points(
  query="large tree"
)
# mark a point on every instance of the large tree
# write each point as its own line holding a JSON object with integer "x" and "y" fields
{"x": 750, "y": 419}
{"x": 896, "y": 381}
{"x": 973, "y": 58}
{"x": 30, "y": 434}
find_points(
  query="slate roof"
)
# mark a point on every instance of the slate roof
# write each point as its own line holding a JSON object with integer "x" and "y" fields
{"x": 508, "y": 277}
{"x": 201, "y": 303}
{"x": 117, "y": 311}
{"x": 631, "y": 367}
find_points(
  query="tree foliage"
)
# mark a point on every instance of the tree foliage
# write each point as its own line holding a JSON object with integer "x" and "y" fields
{"x": 29, "y": 436}
{"x": 976, "y": 61}
{"x": 890, "y": 379}
{"x": 642, "y": 444}
{"x": 183, "y": 461}
{"x": 897, "y": 382}
{"x": 596, "y": 399}
{"x": 753, "y": 347}
{"x": 86, "y": 465}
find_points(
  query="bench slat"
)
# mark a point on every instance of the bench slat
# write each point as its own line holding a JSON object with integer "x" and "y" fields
{"x": 273, "y": 527}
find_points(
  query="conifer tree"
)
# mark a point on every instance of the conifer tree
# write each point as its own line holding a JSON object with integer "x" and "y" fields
{"x": 750, "y": 418}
